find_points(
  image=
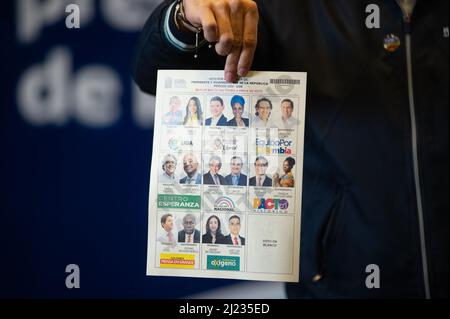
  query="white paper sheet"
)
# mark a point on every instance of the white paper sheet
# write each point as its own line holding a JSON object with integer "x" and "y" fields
{"x": 207, "y": 171}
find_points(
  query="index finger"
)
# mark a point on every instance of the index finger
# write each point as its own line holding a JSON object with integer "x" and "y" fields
{"x": 226, "y": 38}
{"x": 249, "y": 40}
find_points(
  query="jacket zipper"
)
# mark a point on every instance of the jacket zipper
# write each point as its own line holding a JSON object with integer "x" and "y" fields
{"x": 407, "y": 15}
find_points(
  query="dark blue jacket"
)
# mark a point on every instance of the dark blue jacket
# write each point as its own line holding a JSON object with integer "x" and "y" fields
{"x": 241, "y": 182}
{"x": 227, "y": 240}
{"x": 376, "y": 177}
{"x": 267, "y": 181}
{"x": 182, "y": 236}
{"x": 208, "y": 179}
{"x": 233, "y": 122}
{"x": 221, "y": 122}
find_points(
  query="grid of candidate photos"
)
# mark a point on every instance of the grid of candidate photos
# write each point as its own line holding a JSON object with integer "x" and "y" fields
{"x": 224, "y": 161}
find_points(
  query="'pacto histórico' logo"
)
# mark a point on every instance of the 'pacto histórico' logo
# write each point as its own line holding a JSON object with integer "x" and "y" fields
{"x": 270, "y": 204}
{"x": 224, "y": 204}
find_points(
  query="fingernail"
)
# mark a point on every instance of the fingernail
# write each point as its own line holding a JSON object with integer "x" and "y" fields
{"x": 243, "y": 72}
{"x": 229, "y": 76}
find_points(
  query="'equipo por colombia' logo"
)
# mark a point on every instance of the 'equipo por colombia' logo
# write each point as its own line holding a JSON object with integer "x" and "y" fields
{"x": 274, "y": 146}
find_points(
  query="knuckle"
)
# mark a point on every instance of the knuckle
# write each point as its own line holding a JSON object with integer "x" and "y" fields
{"x": 219, "y": 5}
{"x": 251, "y": 6}
{"x": 235, "y": 5}
{"x": 210, "y": 37}
{"x": 222, "y": 50}
{"x": 210, "y": 27}
{"x": 250, "y": 42}
{"x": 227, "y": 40}
{"x": 237, "y": 42}
{"x": 205, "y": 5}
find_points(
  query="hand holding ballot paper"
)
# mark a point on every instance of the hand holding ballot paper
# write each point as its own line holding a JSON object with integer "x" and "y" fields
{"x": 228, "y": 225}
{"x": 232, "y": 25}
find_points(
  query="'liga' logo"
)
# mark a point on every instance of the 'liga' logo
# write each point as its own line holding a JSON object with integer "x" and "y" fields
{"x": 224, "y": 204}
{"x": 176, "y": 144}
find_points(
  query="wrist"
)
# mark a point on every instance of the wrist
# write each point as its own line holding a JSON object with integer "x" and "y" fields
{"x": 176, "y": 36}
{"x": 181, "y": 21}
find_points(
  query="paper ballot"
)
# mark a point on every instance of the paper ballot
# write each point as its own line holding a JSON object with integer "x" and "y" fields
{"x": 226, "y": 176}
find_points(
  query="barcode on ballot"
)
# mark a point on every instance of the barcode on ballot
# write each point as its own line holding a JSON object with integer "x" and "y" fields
{"x": 284, "y": 81}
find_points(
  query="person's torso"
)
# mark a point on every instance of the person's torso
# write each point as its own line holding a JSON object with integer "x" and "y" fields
{"x": 359, "y": 196}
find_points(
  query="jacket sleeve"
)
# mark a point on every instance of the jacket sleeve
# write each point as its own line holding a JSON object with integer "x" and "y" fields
{"x": 155, "y": 51}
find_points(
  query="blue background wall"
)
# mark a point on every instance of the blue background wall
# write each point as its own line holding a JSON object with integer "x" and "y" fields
{"x": 75, "y": 150}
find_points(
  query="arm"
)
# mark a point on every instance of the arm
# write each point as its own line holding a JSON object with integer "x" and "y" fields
{"x": 157, "y": 47}
{"x": 155, "y": 51}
